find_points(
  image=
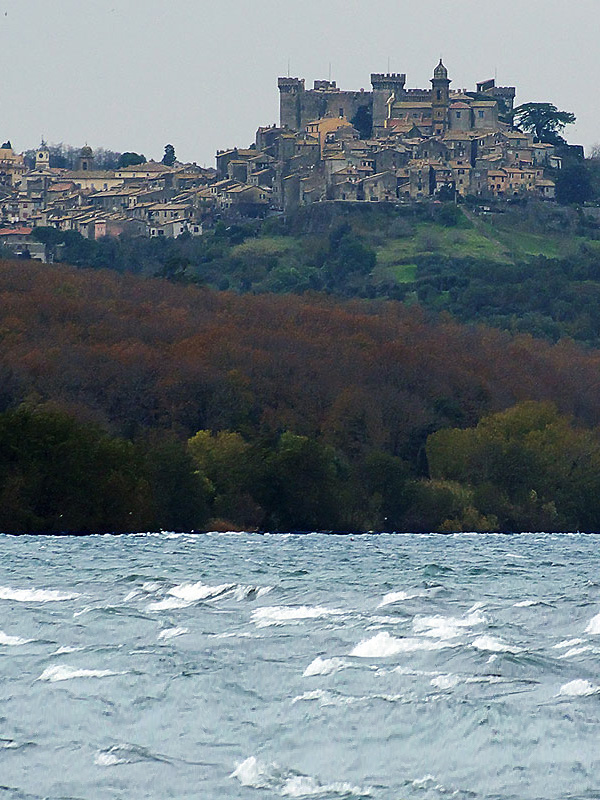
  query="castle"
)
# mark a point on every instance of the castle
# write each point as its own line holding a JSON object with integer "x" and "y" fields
{"x": 391, "y": 106}
{"x": 392, "y": 143}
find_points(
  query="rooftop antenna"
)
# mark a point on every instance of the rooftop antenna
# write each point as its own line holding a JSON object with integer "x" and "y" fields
{"x": 288, "y": 68}
{"x": 330, "y": 72}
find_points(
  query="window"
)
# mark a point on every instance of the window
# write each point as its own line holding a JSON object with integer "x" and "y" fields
{"x": 481, "y": 114}
{"x": 458, "y": 114}
{"x": 341, "y": 112}
{"x": 439, "y": 94}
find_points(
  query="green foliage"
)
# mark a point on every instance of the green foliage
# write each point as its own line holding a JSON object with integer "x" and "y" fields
{"x": 229, "y": 464}
{"x": 530, "y": 467}
{"x": 169, "y": 157}
{"x": 574, "y": 183}
{"x": 179, "y": 492}
{"x": 131, "y": 160}
{"x": 544, "y": 120}
{"x": 60, "y": 475}
{"x": 363, "y": 122}
{"x": 300, "y": 486}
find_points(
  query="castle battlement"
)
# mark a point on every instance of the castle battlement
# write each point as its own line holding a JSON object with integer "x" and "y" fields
{"x": 325, "y": 86}
{"x": 290, "y": 84}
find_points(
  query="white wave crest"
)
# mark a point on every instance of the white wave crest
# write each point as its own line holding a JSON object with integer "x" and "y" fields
{"x": 578, "y": 688}
{"x": 251, "y": 592}
{"x": 323, "y": 666}
{"x": 253, "y": 773}
{"x": 445, "y": 681}
{"x": 12, "y": 641}
{"x": 168, "y": 604}
{"x": 66, "y": 649}
{"x": 35, "y": 595}
{"x": 383, "y": 645}
{"x": 441, "y": 627}
{"x": 593, "y": 627}
{"x": 527, "y": 603}
{"x": 256, "y": 774}
{"x": 568, "y": 643}
{"x": 576, "y": 651}
{"x": 286, "y": 615}
{"x": 397, "y": 597}
{"x": 66, "y": 673}
{"x": 304, "y": 786}
{"x": 193, "y": 592}
{"x": 493, "y": 645}
{"x": 171, "y": 633}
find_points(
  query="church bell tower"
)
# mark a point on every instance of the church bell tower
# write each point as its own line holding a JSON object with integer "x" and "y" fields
{"x": 440, "y": 99}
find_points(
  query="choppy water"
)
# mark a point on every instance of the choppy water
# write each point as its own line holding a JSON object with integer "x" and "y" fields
{"x": 241, "y": 666}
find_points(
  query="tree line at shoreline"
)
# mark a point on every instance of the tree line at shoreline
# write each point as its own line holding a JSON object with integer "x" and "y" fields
{"x": 130, "y": 404}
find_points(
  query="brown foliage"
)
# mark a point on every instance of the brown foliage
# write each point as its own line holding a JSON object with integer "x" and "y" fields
{"x": 134, "y": 353}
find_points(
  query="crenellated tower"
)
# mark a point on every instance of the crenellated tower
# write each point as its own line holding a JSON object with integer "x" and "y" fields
{"x": 291, "y": 91}
{"x": 384, "y": 86}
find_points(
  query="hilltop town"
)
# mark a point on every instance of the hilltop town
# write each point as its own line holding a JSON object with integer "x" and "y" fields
{"x": 390, "y": 144}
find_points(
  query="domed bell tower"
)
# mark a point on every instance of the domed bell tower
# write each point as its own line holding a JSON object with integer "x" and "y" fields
{"x": 440, "y": 98}
{"x": 42, "y": 157}
{"x": 85, "y": 161}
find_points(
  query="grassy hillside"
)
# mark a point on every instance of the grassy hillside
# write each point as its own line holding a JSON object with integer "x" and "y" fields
{"x": 530, "y": 267}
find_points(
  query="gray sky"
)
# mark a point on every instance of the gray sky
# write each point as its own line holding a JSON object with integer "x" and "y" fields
{"x": 202, "y": 74}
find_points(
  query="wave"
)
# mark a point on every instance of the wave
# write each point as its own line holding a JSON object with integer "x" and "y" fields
{"x": 193, "y": 592}
{"x": 286, "y": 615}
{"x": 125, "y": 754}
{"x": 593, "y": 627}
{"x": 186, "y": 594}
{"x": 448, "y": 627}
{"x": 568, "y": 643}
{"x": 576, "y": 651}
{"x": 324, "y": 666}
{"x": 66, "y": 673}
{"x": 578, "y": 688}
{"x": 257, "y": 774}
{"x": 171, "y": 633}
{"x": 383, "y": 645}
{"x": 445, "y": 681}
{"x": 251, "y": 592}
{"x": 493, "y": 645}
{"x": 35, "y": 595}
{"x": 397, "y": 597}
{"x": 12, "y": 641}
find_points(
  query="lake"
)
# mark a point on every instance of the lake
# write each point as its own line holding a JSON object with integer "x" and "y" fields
{"x": 247, "y": 666}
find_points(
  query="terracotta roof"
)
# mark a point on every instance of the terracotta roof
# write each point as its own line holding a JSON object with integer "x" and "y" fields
{"x": 15, "y": 231}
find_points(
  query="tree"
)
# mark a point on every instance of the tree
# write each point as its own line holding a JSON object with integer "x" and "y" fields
{"x": 363, "y": 122}
{"x": 543, "y": 120}
{"x": 169, "y": 157}
{"x": 131, "y": 159}
{"x": 574, "y": 184}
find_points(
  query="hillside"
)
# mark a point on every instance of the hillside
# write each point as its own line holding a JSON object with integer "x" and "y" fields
{"x": 359, "y": 386}
{"x": 528, "y": 267}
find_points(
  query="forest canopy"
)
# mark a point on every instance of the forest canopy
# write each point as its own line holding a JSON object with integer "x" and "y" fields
{"x": 301, "y": 412}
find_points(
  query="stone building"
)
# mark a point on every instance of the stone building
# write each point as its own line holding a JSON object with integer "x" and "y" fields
{"x": 390, "y": 103}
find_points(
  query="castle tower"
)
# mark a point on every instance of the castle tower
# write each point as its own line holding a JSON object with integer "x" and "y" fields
{"x": 42, "y": 157}
{"x": 384, "y": 86}
{"x": 291, "y": 91}
{"x": 440, "y": 98}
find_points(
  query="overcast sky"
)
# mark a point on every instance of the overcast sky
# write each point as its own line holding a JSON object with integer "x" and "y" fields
{"x": 202, "y": 74}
